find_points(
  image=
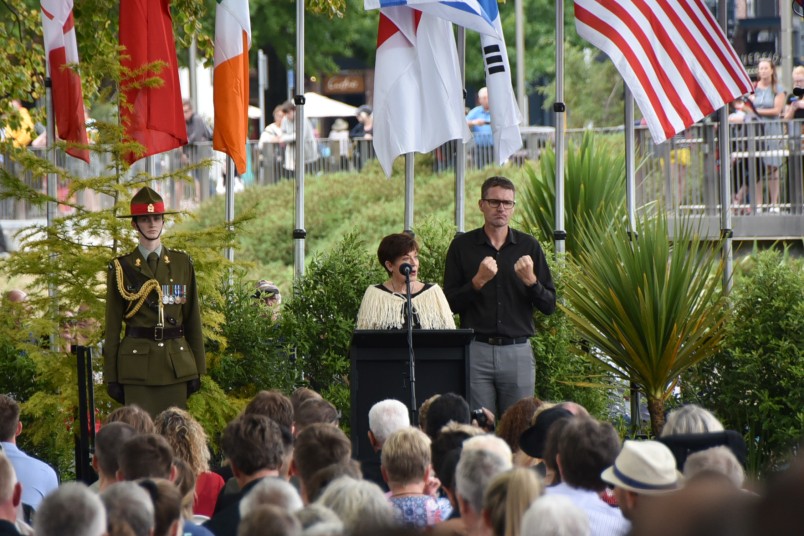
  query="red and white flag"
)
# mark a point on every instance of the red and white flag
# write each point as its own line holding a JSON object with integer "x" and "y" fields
{"x": 61, "y": 48}
{"x": 152, "y": 114}
{"x": 672, "y": 54}
{"x": 418, "y": 96}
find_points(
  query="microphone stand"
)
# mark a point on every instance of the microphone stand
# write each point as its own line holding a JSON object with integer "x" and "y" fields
{"x": 411, "y": 359}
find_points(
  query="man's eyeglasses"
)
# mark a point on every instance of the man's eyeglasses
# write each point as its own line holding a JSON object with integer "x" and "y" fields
{"x": 495, "y": 203}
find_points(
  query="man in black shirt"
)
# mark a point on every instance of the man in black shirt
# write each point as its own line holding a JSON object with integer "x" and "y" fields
{"x": 494, "y": 277}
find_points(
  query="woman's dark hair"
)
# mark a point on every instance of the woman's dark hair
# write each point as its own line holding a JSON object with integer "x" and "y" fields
{"x": 394, "y": 246}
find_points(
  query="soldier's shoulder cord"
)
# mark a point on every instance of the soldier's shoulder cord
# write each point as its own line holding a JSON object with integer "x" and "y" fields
{"x": 139, "y": 296}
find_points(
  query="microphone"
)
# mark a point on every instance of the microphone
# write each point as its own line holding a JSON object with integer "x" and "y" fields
{"x": 405, "y": 269}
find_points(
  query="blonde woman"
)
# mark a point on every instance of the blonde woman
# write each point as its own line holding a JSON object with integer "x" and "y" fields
{"x": 507, "y": 498}
{"x": 406, "y": 468}
{"x": 189, "y": 442}
{"x": 768, "y": 103}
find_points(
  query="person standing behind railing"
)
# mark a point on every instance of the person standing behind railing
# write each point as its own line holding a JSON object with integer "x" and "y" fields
{"x": 795, "y": 103}
{"x": 479, "y": 121}
{"x": 270, "y": 145}
{"x": 289, "y": 138}
{"x": 768, "y": 103}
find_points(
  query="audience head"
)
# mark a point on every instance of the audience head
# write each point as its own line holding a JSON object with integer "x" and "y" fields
{"x": 10, "y": 490}
{"x": 423, "y": 410}
{"x": 9, "y": 419}
{"x": 585, "y": 449}
{"x": 555, "y": 515}
{"x": 128, "y": 506}
{"x": 507, "y": 498}
{"x": 269, "y": 519}
{"x": 385, "y": 418}
{"x": 708, "y": 504}
{"x": 642, "y": 468}
{"x": 449, "y": 439}
{"x": 145, "y": 456}
{"x": 167, "y": 505}
{"x": 186, "y": 437}
{"x": 315, "y": 410}
{"x": 274, "y": 405}
{"x": 108, "y": 442}
{"x": 185, "y": 482}
{"x": 550, "y": 459}
{"x": 273, "y": 492}
{"x": 301, "y": 395}
{"x": 532, "y": 441}
{"x": 690, "y": 419}
{"x": 316, "y": 447}
{"x": 135, "y": 416}
{"x": 253, "y": 443}
{"x": 476, "y": 468}
{"x": 492, "y": 444}
{"x": 516, "y": 420}
{"x": 406, "y": 457}
{"x": 360, "y": 504}
{"x": 717, "y": 459}
{"x": 447, "y": 408}
{"x": 322, "y": 478}
{"x": 318, "y": 520}
{"x": 574, "y": 408}
{"x": 71, "y": 510}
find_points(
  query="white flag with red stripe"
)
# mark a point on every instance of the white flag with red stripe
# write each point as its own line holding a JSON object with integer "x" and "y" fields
{"x": 61, "y": 48}
{"x": 418, "y": 96}
{"x": 672, "y": 54}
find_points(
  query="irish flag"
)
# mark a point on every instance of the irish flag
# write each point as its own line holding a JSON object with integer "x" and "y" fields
{"x": 68, "y": 101}
{"x": 230, "y": 84}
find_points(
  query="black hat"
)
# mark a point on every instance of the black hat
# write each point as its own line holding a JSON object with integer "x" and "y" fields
{"x": 533, "y": 439}
{"x": 683, "y": 445}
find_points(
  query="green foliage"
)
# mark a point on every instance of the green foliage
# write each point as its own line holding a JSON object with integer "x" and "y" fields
{"x": 651, "y": 308}
{"x": 255, "y": 356}
{"x": 564, "y": 371}
{"x": 321, "y": 316}
{"x": 755, "y": 384}
{"x": 594, "y": 182}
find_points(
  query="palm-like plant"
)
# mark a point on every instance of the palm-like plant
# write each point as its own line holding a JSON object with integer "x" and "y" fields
{"x": 652, "y": 307}
{"x": 594, "y": 192}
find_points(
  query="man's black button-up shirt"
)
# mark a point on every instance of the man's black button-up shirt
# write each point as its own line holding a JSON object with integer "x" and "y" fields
{"x": 504, "y": 306}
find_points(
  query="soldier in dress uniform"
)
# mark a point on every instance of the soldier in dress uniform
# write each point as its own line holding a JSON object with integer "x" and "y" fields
{"x": 160, "y": 358}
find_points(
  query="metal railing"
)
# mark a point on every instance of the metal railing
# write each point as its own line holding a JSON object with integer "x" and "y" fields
{"x": 766, "y": 164}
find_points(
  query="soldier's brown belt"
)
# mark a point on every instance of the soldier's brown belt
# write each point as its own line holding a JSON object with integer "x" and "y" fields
{"x": 155, "y": 333}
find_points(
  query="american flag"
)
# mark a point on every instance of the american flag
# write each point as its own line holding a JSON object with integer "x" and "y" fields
{"x": 672, "y": 54}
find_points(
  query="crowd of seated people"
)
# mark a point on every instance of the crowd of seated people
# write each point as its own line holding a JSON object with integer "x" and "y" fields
{"x": 547, "y": 469}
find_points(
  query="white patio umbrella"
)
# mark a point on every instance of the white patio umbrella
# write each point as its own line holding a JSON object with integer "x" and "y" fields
{"x": 320, "y": 106}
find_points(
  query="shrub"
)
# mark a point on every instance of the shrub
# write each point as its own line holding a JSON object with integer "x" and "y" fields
{"x": 756, "y": 383}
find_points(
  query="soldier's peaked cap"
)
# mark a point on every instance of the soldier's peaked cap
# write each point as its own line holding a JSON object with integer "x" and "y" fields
{"x": 146, "y": 202}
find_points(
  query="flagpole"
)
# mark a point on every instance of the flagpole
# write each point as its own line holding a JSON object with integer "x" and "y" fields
{"x": 636, "y": 416}
{"x": 409, "y": 161}
{"x": 629, "y": 161}
{"x": 520, "y": 60}
{"x": 559, "y": 235}
{"x": 299, "y": 233}
{"x": 51, "y": 189}
{"x": 724, "y": 145}
{"x": 230, "y": 178}
{"x": 460, "y": 150}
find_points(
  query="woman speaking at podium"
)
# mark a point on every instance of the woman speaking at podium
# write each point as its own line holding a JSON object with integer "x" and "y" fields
{"x": 385, "y": 306}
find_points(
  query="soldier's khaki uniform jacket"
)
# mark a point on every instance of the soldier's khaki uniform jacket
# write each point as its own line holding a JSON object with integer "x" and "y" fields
{"x": 145, "y": 361}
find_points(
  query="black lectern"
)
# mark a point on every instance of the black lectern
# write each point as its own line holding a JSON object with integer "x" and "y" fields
{"x": 380, "y": 370}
